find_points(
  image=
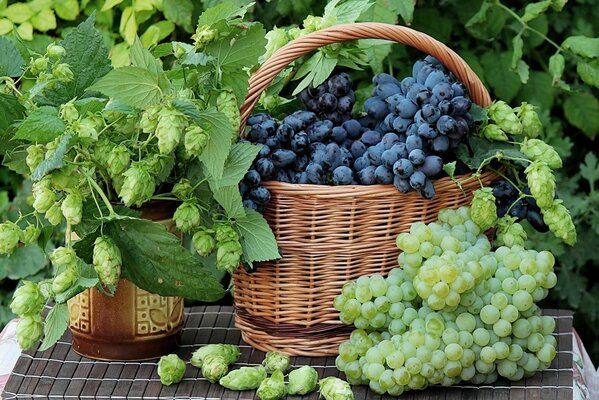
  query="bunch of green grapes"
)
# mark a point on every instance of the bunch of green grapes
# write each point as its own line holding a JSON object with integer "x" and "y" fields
{"x": 455, "y": 311}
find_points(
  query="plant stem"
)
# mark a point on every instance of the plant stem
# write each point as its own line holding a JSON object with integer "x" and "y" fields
{"x": 526, "y": 26}
{"x": 102, "y": 195}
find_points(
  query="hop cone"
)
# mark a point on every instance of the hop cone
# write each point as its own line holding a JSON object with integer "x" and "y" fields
{"x": 149, "y": 119}
{"x": 276, "y": 361}
{"x": 509, "y": 232}
{"x": 30, "y": 234}
{"x": 483, "y": 210}
{"x": 224, "y": 232}
{"x": 272, "y": 388}
{"x": 228, "y": 256}
{"x": 169, "y": 130}
{"x": 531, "y": 124}
{"x": 187, "y": 216}
{"x": 27, "y": 299}
{"x": 244, "y": 378}
{"x": 204, "y": 242}
{"x": 537, "y": 150}
{"x": 64, "y": 281}
{"x": 118, "y": 160}
{"x": 63, "y": 257}
{"x": 72, "y": 208}
{"x": 203, "y": 35}
{"x": 35, "y": 155}
{"x": 558, "y": 219}
{"x": 494, "y": 132}
{"x": 303, "y": 380}
{"x": 196, "y": 140}
{"x": 541, "y": 183}
{"x": 182, "y": 189}
{"x": 333, "y": 388}
{"x": 171, "y": 369}
{"x": 54, "y": 214}
{"x": 229, "y": 352}
{"x": 505, "y": 118}
{"x": 43, "y": 199}
{"x": 107, "y": 260}
{"x": 138, "y": 186}
{"x": 214, "y": 367}
{"x": 227, "y": 104}
{"x": 29, "y": 331}
{"x": 9, "y": 237}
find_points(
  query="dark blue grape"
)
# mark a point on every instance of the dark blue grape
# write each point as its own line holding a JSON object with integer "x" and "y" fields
{"x": 367, "y": 175}
{"x": 319, "y": 157}
{"x": 445, "y": 107}
{"x": 295, "y": 123}
{"x": 338, "y": 134}
{"x": 340, "y": 84}
{"x": 434, "y": 62}
{"x": 260, "y": 195}
{"x": 346, "y": 157}
{"x": 347, "y": 143}
{"x": 385, "y": 90}
{"x": 418, "y": 119}
{"x": 301, "y": 162}
{"x": 300, "y": 142}
{"x": 265, "y": 168}
{"x": 376, "y": 108}
{"x": 518, "y": 210}
{"x": 412, "y": 130}
{"x": 252, "y": 178}
{"x": 353, "y": 129}
{"x": 503, "y": 190}
{"x": 327, "y": 102}
{"x": 345, "y": 105}
{"x": 426, "y": 131}
{"x": 407, "y": 83}
{"x": 424, "y": 73}
{"x": 393, "y": 101}
{"x": 417, "y": 157}
{"x": 414, "y": 142}
{"x": 256, "y": 119}
{"x": 390, "y": 157}
{"x": 430, "y": 113}
{"x": 273, "y": 143}
{"x": 342, "y": 175}
{"x": 403, "y": 185}
{"x": 428, "y": 190}
{"x": 446, "y": 125}
{"x": 367, "y": 122}
{"x": 282, "y": 158}
{"x": 443, "y": 91}
{"x": 333, "y": 156}
{"x": 418, "y": 180}
{"x": 314, "y": 174}
{"x": 316, "y": 91}
{"x": 243, "y": 188}
{"x": 461, "y": 127}
{"x": 418, "y": 65}
{"x": 403, "y": 168}
{"x": 383, "y": 175}
{"x": 434, "y": 78}
{"x": 357, "y": 148}
{"x": 258, "y": 134}
{"x": 370, "y": 138}
{"x": 389, "y": 139}
{"x": 401, "y": 124}
{"x": 284, "y": 133}
{"x": 440, "y": 144}
{"x": 375, "y": 153}
{"x": 317, "y": 146}
{"x": 361, "y": 162}
{"x": 406, "y": 108}
{"x": 432, "y": 166}
{"x": 319, "y": 131}
{"x": 535, "y": 219}
{"x": 414, "y": 90}
{"x": 382, "y": 78}
{"x": 264, "y": 151}
{"x": 282, "y": 176}
{"x": 458, "y": 89}
{"x": 423, "y": 97}
{"x": 307, "y": 117}
{"x": 401, "y": 149}
{"x": 461, "y": 105}
{"x": 247, "y": 203}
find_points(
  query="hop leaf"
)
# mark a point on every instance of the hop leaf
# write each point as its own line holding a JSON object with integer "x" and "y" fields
{"x": 27, "y": 299}
{"x": 483, "y": 210}
{"x": 107, "y": 260}
{"x": 558, "y": 219}
{"x": 537, "y": 150}
{"x": 541, "y": 183}
{"x": 531, "y": 124}
{"x": 9, "y": 237}
{"x": 171, "y": 369}
{"x": 204, "y": 242}
{"x": 29, "y": 331}
{"x": 187, "y": 216}
{"x": 138, "y": 186}
{"x": 118, "y": 160}
{"x": 196, "y": 140}
{"x": 72, "y": 208}
{"x": 505, "y": 118}
{"x": 509, "y": 232}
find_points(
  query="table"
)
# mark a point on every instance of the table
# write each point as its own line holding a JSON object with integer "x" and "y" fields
{"x": 61, "y": 373}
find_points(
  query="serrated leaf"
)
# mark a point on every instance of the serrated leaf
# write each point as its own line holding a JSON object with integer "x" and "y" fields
{"x": 128, "y": 25}
{"x": 588, "y": 72}
{"x": 42, "y": 125}
{"x": 154, "y": 260}
{"x": 67, "y": 9}
{"x": 87, "y": 56}
{"x": 259, "y": 243}
{"x": 11, "y": 62}
{"x": 517, "y": 44}
{"x": 239, "y": 50}
{"x": 89, "y": 105}
{"x": 226, "y": 10}
{"x": 523, "y": 71}
{"x": 487, "y": 22}
{"x": 10, "y": 111}
{"x": 349, "y": 11}
{"x": 376, "y": 53}
{"x": 589, "y": 170}
{"x": 382, "y": 11}
{"x": 23, "y": 262}
{"x": 502, "y": 80}
{"x": 483, "y": 149}
{"x": 14, "y": 159}
{"x": 427, "y": 20}
{"x": 55, "y": 325}
{"x": 238, "y": 163}
{"x": 44, "y": 21}
{"x": 92, "y": 219}
{"x": 230, "y": 200}
{"x": 157, "y": 32}
{"x": 87, "y": 279}
{"x": 582, "y": 46}
{"x": 134, "y": 86}
{"x": 533, "y": 10}
{"x": 581, "y": 110}
{"x": 478, "y": 113}
{"x": 142, "y": 58}
{"x": 538, "y": 90}
{"x": 558, "y": 5}
{"x": 317, "y": 71}
{"x": 557, "y": 64}
{"x": 405, "y": 8}
{"x": 449, "y": 168}
{"x": 55, "y": 161}
{"x": 179, "y": 12}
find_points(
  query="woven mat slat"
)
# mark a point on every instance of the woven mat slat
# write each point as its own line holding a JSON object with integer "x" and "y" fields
{"x": 61, "y": 373}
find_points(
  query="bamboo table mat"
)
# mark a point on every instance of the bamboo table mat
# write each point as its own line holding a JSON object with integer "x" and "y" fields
{"x": 60, "y": 373}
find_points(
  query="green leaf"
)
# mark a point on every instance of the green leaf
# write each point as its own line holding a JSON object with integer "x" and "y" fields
{"x": 23, "y": 262}
{"x": 55, "y": 325}
{"x": 588, "y": 72}
{"x": 502, "y": 80}
{"x": 405, "y": 8}
{"x": 538, "y": 90}
{"x": 238, "y": 163}
{"x": 109, "y": 4}
{"x": 523, "y": 71}
{"x": 92, "y": 219}
{"x": 581, "y": 110}
{"x": 87, "y": 279}
{"x": 142, "y": 58}
{"x": 55, "y": 161}
{"x": 179, "y": 12}
{"x": 478, "y": 113}
{"x": 517, "y": 44}
{"x": 239, "y": 50}
{"x": 157, "y": 32}
{"x": 483, "y": 149}
{"x": 226, "y": 10}
{"x": 259, "y": 243}
{"x": 383, "y": 11}
{"x": 67, "y": 9}
{"x": 87, "y": 56}
{"x": 134, "y": 86}
{"x": 350, "y": 10}
{"x": 11, "y": 62}
{"x": 154, "y": 260}
{"x": 89, "y": 105}
{"x": 42, "y": 125}
{"x": 449, "y": 168}
{"x": 557, "y": 64}
{"x": 45, "y": 20}
{"x": 582, "y": 46}
{"x": 14, "y": 159}
{"x": 488, "y": 21}
{"x": 376, "y": 52}
{"x": 427, "y": 20}
{"x": 10, "y": 111}
{"x": 230, "y": 199}
{"x": 589, "y": 170}
{"x": 317, "y": 71}
{"x": 533, "y": 10}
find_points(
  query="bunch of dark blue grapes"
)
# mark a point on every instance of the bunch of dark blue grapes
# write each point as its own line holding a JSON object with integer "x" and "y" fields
{"x": 508, "y": 202}
{"x": 401, "y": 139}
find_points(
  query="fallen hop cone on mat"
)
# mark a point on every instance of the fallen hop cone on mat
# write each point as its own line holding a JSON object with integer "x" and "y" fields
{"x": 272, "y": 388}
{"x": 276, "y": 361}
{"x": 244, "y": 378}
{"x": 214, "y": 367}
{"x": 171, "y": 369}
{"x": 230, "y": 353}
{"x": 333, "y": 388}
{"x": 302, "y": 381}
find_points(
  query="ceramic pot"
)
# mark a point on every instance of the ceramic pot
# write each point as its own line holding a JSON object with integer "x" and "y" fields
{"x": 131, "y": 325}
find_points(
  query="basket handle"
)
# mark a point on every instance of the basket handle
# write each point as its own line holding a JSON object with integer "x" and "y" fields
{"x": 293, "y": 50}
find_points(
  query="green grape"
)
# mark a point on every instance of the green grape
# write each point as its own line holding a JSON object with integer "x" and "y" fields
{"x": 362, "y": 323}
{"x": 509, "y": 285}
{"x": 378, "y": 285}
{"x": 423, "y": 232}
{"x": 466, "y": 339}
{"x": 374, "y": 371}
{"x": 547, "y": 325}
{"x": 450, "y": 243}
{"x": 483, "y": 368}
{"x": 427, "y": 370}
{"x": 466, "y": 322}
{"x": 409, "y": 293}
{"x": 521, "y": 328}
{"x": 374, "y": 356}
{"x": 450, "y": 335}
{"x": 394, "y": 294}
{"x": 550, "y": 280}
{"x": 379, "y": 320}
{"x": 408, "y": 349}
{"x": 539, "y": 294}
{"x": 507, "y": 368}
{"x": 502, "y": 350}
{"x": 512, "y": 260}
{"x": 488, "y": 354}
{"x": 363, "y": 294}
{"x": 481, "y": 336}
{"x": 502, "y": 328}
{"x": 452, "y": 299}
{"x": 353, "y": 370}
{"x": 395, "y": 359}
{"x": 402, "y": 376}
{"x": 529, "y": 282}
{"x": 349, "y": 290}
{"x": 522, "y": 300}
{"x": 510, "y": 313}
{"x": 424, "y": 354}
{"x": 468, "y": 358}
{"x": 409, "y": 315}
{"x": 368, "y": 310}
{"x": 532, "y": 364}
{"x": 348, "y": 352}
{"x": 382, "y": 304}
{"x": 438, "y": 359}
{"x": 528, "y": 266}
{"x": 408, "y": 243}
{"x": 427, "y": 249}
{"x": 386, "y": 380}
{"x": 489, "y": 314}
{"x": 452, "y": 369}
{"x": 516, "y": 352}
{"x": 413, "y": 365}
{"x": 454, "y": 351}
{"x": 435, "y": 325}
{"x": 396, "y": 310}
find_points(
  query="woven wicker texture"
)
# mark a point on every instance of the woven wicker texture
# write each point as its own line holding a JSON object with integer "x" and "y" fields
{"x": 330, "y": 234}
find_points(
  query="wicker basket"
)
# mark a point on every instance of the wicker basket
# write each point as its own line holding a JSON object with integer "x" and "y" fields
{"x": 331, "y": 234}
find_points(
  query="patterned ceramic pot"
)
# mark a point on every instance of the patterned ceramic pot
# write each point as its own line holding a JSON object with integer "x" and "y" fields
{"x": 132, "y": 325}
